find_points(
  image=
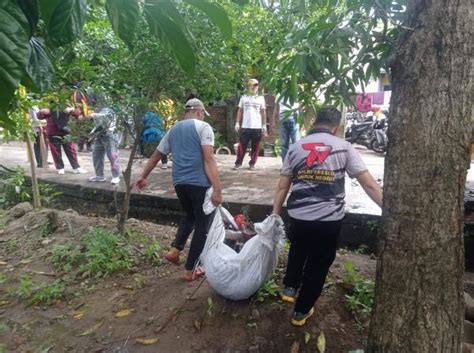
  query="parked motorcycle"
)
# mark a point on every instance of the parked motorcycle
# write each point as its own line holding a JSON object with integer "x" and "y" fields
{"x": 361, "y": 133}
{"x": 379, "y": 143}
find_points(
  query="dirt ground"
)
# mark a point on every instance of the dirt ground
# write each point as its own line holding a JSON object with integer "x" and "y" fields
{"x": 150, "y": 308}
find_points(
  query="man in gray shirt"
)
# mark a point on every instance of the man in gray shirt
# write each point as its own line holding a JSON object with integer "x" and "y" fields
{"x": 315, "y": 169}
{"x": 191, "y": 142}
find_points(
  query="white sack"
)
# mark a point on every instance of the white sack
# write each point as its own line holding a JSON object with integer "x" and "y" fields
{"x": 239, "y": 275}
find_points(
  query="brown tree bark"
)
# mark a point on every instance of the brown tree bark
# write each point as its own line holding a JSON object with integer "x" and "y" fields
{"x": 419, "y": 297}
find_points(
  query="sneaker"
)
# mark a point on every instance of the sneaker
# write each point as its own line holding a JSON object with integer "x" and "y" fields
{"x": 79, "y": 171}
{"x": 115, "y": 181}
{"x": 164, "y": 166}
{"x": 288, "y": 294}
{"x": 235, "y": 167}
{"x": 299, "y": 319}
{"x": 251, "y": 167}
{"x": 61, "y": 171}
{"x": 97, "y": 178}
{"x": 190, "y": 276}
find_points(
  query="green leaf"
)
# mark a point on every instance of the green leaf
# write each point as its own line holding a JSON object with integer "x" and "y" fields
{"x": 169, "y": 32}
{"x": 124, "y": 16}
{"x": 67, "y": 21}
{"x": 47, "y": 8}
{"x": 14, "y": 49}
{"x": 40, "y": 70}
{"x": 6, "y": 123}
{"x": 216, "y": 14}
{"x": 31, "y": 11}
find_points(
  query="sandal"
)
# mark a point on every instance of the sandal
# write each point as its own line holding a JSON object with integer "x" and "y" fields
{"x": 173, "y": 258}
{"x": 194, "y": 275}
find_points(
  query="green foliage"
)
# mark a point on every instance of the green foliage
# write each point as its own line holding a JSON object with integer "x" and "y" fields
{"x": 269, "y": 290}
{"x": 66, "y": 257}
{"x": 44, "y": 292}
{"x": 124, "y": 17}
{"x": 14, "y": 53}
{"x": 211, "y": 307}
{"x": 3, "y": 278}
{"x": 26, "y": 287}
{"x": 26, "y": 59}
{"x": 361, "y": 298}
{"x": 335, "y": 46}
{"x": 48, "y": 293}
{"x": 101, "y": 253}
{"x": 15, "y": 189}
{"x": 151, "y": 252}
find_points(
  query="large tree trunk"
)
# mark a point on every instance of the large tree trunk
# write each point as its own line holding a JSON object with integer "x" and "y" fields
{"x": 419, "y": 297}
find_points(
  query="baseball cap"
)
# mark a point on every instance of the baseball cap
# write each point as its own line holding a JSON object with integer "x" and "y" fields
{"x": 195, "y": 103}
{"x": 252, "y": 82}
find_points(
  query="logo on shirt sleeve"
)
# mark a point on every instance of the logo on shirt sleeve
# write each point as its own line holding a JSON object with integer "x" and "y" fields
{"x": 318, "y": 152}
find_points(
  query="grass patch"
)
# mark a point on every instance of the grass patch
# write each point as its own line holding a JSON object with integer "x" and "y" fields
{"x": 360, "y": 299}
{"x": 99, "y": 254}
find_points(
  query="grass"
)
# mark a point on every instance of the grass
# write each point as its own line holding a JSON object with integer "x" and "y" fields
{"x": 360, "y": 299}
{"x": 100, "y": 254}
{"x": 269, "y": 290}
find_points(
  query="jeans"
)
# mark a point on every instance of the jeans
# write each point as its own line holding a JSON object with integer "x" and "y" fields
{"x": 312, "y": 252}
{"x": 191, "y": 198}
{"x": 289, "y": 131}
{"x": 106, "y": 144}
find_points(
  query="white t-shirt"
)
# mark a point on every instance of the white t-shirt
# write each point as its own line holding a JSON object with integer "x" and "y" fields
{"x": 251, "y": 107}
{"x": 286, "y": 109}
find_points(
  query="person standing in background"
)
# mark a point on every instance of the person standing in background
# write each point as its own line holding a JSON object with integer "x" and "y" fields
{"x": 288, "y": 123}
{"x": 251, "y": 123}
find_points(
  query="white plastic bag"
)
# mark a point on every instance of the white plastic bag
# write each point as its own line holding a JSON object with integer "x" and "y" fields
{"x": 239, "y": 275}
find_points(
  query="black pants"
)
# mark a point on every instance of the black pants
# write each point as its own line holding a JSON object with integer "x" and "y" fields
{"x": 253, "y": 136}
{"x": 37, "y": 149}
{"x": 312, "y": 252}
{"x": 191, "y": 198}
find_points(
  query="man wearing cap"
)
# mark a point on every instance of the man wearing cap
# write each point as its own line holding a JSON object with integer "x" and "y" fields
{"x": 315, "y": 168}
{"x": 251, "y": 122}
{"x": 191, "y": 142}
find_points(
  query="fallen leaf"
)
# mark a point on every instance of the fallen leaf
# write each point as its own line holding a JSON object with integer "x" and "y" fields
{"x": 321, "y": 342}
{"x": 147, "y": 341}
{"x": 3, "y": 263}
{"x": 123, "y": 313}
{"x": 295, "y": 347}
{"x": 78, "y": 315}
{"x": 24, "y": 262}
{"x": 3, "y": 302}
{"x": 197, "y": 325}
{"x": 307, "y": 337}
{"x": 92, "y": 329}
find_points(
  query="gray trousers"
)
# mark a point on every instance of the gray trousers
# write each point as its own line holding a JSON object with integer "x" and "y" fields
{"x": 106, "y": 144}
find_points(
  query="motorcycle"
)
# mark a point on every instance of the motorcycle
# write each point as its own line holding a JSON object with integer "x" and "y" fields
{"x": 360, "y": 133}
{"x": 379, "y": 143}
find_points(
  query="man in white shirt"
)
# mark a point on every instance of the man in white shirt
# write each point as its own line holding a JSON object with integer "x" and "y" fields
{"x": 251, "y": 122}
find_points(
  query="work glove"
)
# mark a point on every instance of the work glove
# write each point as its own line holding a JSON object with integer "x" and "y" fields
{"x": 237, "y": 127}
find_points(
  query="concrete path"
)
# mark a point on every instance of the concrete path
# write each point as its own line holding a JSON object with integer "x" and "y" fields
{"x": 243, "y": 187}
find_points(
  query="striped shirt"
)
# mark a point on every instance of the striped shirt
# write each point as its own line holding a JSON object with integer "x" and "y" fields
{"x": 317, "y": 165}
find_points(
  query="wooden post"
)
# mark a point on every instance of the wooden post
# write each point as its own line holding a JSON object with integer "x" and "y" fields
{"x": 31, "y": 158}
